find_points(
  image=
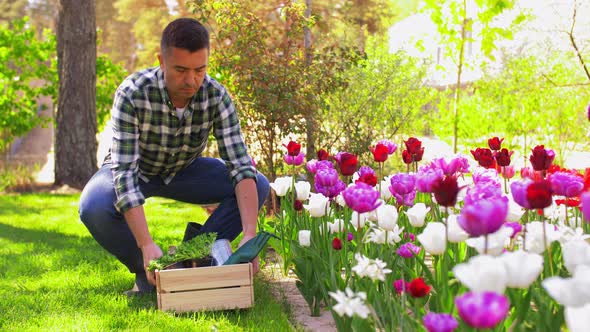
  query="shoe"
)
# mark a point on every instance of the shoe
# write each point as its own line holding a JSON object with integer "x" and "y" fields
{"x": 142, "y": 286}
{"x": 135, "y": 291}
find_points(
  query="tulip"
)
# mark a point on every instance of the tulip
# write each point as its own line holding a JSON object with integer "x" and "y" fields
{"x": 434, "y": 322}
{"x": 426, "y": 177}
{"x": 282, "y": 185}
{"x": 445, "y": 191}
{"x": 328, "y": 183}
{"x": 347, "y": 163}
{"x": 318, "y": 205}
{"x": 538, "y": 194}
{"x": 369, "y": 179}
{"x": 503, "y": 157}
{"x": 495, "y": 243}
{"x": 297, "y": 205}
{"x": 515, "y": 211}
{"x": 358, "y": 220}
{"x": 541, "y": 158}
{"x": 323, "y": 155}
{"x": 458, "y": 164}
{"x": 570, "y": 292}
{"x": 407, "y": 157}
{"x": 391, "y": 147}
{"x": 484, "y": 157}
{"x": 401, "y": 285}
{"x": 482, "y": 310}
{"x": 336, "y": 244}
{"x": 585, "y": 200}
{"x": 380, "y": 152}
{"x": 305, "y": 238}
{"x": 408, "y": 250}
{"x": 294, "y": 160}
{"x": 566, "y": 184}
{"x": 381, "y": 236}
{"x": 433, "y": 238}
{"x": 387, "y": 217}
{"x": 418, "y": 288}
{"x": 575, "y": 253}
{"x": 495, "y": 143}
{"x": 416, "y": 214}
{"x": 535, "y": 237}
{"x": 456, "y": 234}
{"x": 577, "y": 319}
{"x": 481, "y": 192}
{"x": 350, "y": 237}
{"x": 293, "y": 148}
{"x": 516, "y": 228}
{"x": 522, "y": 268}
{"x": 486, "y": 175}
{"x": 482, "y": 273}
{"x": 374, "y": 269}
{"x": 361, "y": 197}
{"x": 484, "y": 216}
{"x": 588, "y": 112}
{"x": 402, "y": 183}
{"x": 413, "y": 145}
{"x": 508, "y": 172}
{"x": 350, "y": 304}
{"x": 302, "y": 188}
{"x": 518, "y": 190}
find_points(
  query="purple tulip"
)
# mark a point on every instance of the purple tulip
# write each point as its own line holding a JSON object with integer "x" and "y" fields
{"x": 401, "y": 285}
{"x": 391, "y": 147}
{"x": 482, "y": 191}
{"x": 361, "y": 197}
{"x": 350, "y": 236}
{"x": 297, "y": 160}
{"x": 328, "y": 183}
{"x": 402, "y": 183}
{"x": 450, "y": 167}
{"x": 405, "y": 200}
{"x": 489, "y": 176}
{"x": 518, "y": 190}
{"x": 365, "y": 170}
{"x": 434, "y": 322}
{"x": 484, "y": 216}
{"x": 482, "y": 310}
{"x": 566, "y": 184}
{"x": 585, "y": 200}
{"x": 426, "y": 177}
{"x": 408, "y": 250}
{"x": 516, "y": 228}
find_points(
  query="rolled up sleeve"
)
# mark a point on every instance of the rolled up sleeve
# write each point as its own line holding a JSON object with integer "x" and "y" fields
{"x": 232, "y": 148}
{"x": 125, "y": 153}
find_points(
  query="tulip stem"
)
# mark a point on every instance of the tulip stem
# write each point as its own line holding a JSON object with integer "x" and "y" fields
{"x": 485, "y": 247}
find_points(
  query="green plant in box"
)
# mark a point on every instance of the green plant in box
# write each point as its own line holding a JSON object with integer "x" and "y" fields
{"x": 197, "y": 248}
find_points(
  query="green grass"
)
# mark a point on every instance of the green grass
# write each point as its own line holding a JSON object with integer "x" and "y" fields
{"x": 54, "y": 276}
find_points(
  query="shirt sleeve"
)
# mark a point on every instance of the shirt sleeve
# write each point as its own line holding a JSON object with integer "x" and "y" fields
{"x": 232, "y": 148}
{"x": 125, "y": 153}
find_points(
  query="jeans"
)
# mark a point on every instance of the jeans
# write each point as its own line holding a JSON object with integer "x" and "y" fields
{"x": 204, "y": 181}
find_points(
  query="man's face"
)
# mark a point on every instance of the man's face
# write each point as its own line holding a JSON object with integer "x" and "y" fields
{"x": 184, "y": 72}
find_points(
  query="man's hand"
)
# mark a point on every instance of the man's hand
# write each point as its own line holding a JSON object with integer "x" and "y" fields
{"x": 150, "y": 251}
{"x": 255, "y": 264}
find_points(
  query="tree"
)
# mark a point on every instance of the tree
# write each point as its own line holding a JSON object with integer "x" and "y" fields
{"x": 115, "y": 37}
{"x": 75, "y": 142}
{"x": 12, "y": 9}
{"x": 25, "y": 75}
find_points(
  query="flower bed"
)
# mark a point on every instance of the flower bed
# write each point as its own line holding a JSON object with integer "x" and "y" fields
{"x": 443, "y": 246}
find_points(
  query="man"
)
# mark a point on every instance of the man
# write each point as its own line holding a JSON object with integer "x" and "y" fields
{"x": 161, "y": 119}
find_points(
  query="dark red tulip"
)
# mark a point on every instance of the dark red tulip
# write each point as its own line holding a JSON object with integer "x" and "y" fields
{"x": 445, "y": 191}
{"x": 418, "y": 156}
{"x": 323, "y": 155}
{"x": 413, "y": 145}
{"x": 380, "y": 152}
{"x": 298, "y": 205}
{"x": 293, "y": 148}
{"x": 503, "y": 157}
{"x": 539, "y": 194}
{"x": 484, "y": 157}
{"x": 495, "y": 143}
{"x": 337, "y": 244}
{"x": 541, "y": 158}
{"x": 418, "y": 288}
{"x": 347, "y": 162}
{"x": 368, "y": 178}
{"x": 407, "y": 157}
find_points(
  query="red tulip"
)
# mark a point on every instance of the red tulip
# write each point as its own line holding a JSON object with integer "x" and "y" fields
{"x": 323, "y": 155}
{"x": 418, "y": 288}
{"x": 298, "y": 205}
{"x": 336, "y": 244}
{"x": 503, "y": 157}
{"x": 538, "y": 194}
{"x": 407, "y": 157}
{"x": 484, "y": 157}
{"x": 418, "y": 156}
{"x": 293, "y": 148}
{"x": 413, "y": 145}
{"x": 445, "y": 191}
{"x": 542, "y": 158}
{"x": 495, "y": 143}
{"x": 347, "y": 162}
{"x": 380, "y": 152}
{"x": 368, "y": 178}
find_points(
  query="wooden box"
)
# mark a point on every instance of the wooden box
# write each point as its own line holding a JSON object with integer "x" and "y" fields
{"x": 205, "y": 288}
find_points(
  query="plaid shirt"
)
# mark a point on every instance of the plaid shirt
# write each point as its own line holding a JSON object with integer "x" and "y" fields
{"x": 149, "y": 139}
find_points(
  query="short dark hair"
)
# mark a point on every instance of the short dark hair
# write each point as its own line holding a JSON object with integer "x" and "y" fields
{"x": 186, "y": 33}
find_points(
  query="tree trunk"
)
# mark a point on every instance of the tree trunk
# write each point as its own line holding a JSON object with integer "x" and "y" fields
{"x": 457, "y": 95}
{"x": 310, "y": 117}
{"x": 75, "y": 138}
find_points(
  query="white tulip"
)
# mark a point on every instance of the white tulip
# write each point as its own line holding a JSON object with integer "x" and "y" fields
{"x": 359, "y": 222}
{"x": 385, "y": 193}
{"x": 515, "y": 211}
{"x": 456, "y": 233}
{"x": 496, "y": 243}
{"x": 305, "y": 238}
{"x": 340, "y": 200}
{"x": 281, "y": 185}
{"x": 570, "y": 292}
{"x": 417, "y": 214}
{"x": 577, "y": 319}
{"x": 433, "y": 238}
{"x": 522, "y": 268}
{"x": 535, "y": 239}
{"x": 386, "y": 216}
{"x": 482, "y": 273}
{"x": 318, "y": 205}
{"x": 303, "y": 188}
{"x": 381, "y": 236}
{"x": 336, "y": 226}
{"x": 575, "y": 253}
{"x": 568, "y": 234}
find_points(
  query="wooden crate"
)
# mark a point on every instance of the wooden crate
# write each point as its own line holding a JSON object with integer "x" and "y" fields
{"x": 205, "y": 288}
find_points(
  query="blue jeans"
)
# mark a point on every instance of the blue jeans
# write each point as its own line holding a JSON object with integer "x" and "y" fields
{"x": 204, "y": 181}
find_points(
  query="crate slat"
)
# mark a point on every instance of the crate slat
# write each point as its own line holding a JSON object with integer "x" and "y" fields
{"x": 204, "y": 278}
{"x": 210, "y": 299}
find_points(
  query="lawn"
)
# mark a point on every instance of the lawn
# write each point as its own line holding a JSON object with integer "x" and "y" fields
{"x": 54, "y": 276}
